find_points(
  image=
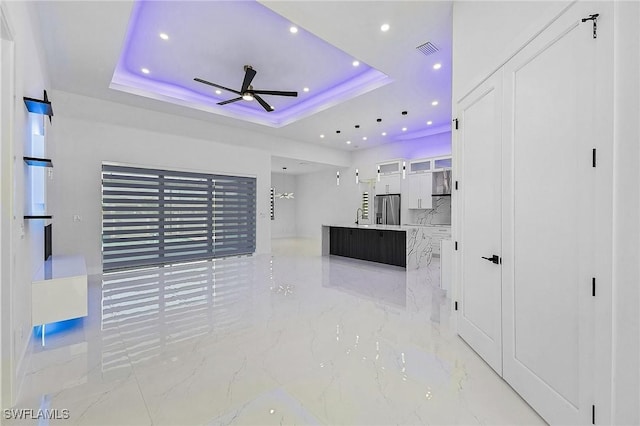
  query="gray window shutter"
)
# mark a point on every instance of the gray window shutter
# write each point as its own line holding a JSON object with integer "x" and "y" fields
{"x": 155, "y": 217}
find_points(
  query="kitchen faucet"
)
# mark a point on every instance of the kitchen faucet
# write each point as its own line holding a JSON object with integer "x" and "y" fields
{"x": 358, "y": 216}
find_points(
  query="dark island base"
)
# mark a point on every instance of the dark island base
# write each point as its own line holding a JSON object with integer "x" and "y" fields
{"x": 375, "y": 245}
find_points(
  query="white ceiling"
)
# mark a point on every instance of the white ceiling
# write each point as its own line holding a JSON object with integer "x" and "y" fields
{"x": 251, "y": 34}
{"x": 297, "y": 167}
{"x": 83, "y": 43}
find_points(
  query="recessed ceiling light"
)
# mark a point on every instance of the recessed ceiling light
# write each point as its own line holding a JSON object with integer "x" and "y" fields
{"x": 145, "y": 70}
{"x": 404, "y": 129}
{"x": 293, "y": 30}
{"x": 321, "y": 136}
{"x": 355, "y": 63}
{"x": 364, "y": 138}
{"x": 384, "y": 133}
{"x": 306, "y": 89}
{"x": 164, "y": 36}
{"x": 434, "y": 103}
{"x": 218, "y": 92}
{"x": 384, "y": 27}
{"x": 437, "y": 66}
{"x": 429, "y": 123}
{"x": 348, "y": 142}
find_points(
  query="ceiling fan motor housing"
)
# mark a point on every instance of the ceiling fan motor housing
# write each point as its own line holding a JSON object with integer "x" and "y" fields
{"x": 247, "y": 92}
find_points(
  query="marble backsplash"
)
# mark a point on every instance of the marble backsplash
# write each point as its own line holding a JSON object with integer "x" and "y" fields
{"x": 440, "y": 214}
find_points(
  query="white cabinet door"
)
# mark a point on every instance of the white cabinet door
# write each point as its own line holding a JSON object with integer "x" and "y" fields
{"x": 388, "y": 185}
{"x": 419, "y": 191}
{"x": 413, "y": 191}
{"x": 553, "y": 109}
{"x": 420, "y": 166}
{"x": 442, "y": 163}
{"x": 426, "y": 201}
{"x": 479, "y": 143}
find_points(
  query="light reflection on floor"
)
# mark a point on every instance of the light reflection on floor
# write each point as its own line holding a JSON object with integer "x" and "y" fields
{"x": 287, "y": 338}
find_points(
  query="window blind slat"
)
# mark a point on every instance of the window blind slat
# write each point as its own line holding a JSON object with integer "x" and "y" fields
{"x": 153, "y": 217}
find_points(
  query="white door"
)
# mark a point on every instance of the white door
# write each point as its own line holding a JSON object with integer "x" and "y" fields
{"x": 550, "y": 127}
{"x": 479, "y": 150}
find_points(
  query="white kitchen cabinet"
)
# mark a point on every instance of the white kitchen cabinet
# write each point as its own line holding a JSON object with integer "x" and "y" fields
{"x": 441, "y": 163}
{"x": 439, "y": 233}
{"x": 419, "y": 191}
{"x": 420, "y": 166}
{"x": 391, "y": 167}
{"x": 389, "y": 184}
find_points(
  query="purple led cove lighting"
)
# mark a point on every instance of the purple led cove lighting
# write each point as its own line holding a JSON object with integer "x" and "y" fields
{"x": 424, "y": 147}
{"x": 214, "y": 47}
{"x": 423, "y": 133}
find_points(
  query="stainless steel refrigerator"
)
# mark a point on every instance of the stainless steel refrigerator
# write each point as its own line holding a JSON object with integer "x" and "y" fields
{"x": 387, "y": 209}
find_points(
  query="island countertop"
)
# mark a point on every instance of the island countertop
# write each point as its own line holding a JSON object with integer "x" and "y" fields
{"x": 405, "y": 227}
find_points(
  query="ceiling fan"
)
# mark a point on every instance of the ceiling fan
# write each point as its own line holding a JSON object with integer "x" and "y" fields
{"x": 247, "y": 92}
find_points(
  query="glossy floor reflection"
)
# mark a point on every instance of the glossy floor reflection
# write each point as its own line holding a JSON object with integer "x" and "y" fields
{"x": 291, "y": 338}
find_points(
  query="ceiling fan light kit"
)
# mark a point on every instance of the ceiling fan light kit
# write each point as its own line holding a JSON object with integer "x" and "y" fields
{"x": 247, "y": 92}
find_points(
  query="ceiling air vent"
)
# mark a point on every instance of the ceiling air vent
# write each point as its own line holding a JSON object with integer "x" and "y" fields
{"x": 428, "y": 48}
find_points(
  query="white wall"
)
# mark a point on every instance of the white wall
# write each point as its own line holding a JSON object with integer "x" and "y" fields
{"x": 27, "y": 78}
{"x": 321, "y": 201}
{"x": 284, "y": 224}
{"x": 91, "y": 131}
{"x": 487, "y": 33}
{"x": 626, "y": 232}
{"x": 92, "y": 109}
{"x": 84, "y": 145}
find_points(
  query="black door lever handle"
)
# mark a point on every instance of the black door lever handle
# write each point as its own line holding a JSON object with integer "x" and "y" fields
{"x": 495, "y": 259}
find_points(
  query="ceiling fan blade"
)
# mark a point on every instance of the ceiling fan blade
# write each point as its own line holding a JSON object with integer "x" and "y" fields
{"x": 248, "y": 78}
{"x": 199, "y": 80}
{"x": 230, "y": 100}
{"x": 274, "y": 92}
{"x": 265, "y": 105}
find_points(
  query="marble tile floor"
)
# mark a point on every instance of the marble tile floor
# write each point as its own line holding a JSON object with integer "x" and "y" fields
{"x": 287, "y": 338}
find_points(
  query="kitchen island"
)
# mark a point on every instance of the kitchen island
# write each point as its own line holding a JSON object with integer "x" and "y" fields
{"x": 407, "y": 246}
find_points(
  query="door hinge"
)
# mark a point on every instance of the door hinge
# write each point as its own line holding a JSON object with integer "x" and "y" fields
{"x": 593, "y": 287}
{"x": 593, "y": 157}
{"x": 455, "y": 245}
{"x": 456, "y": 185}
{"x": 455, "y": 120}
{"x": 455, "y": 305}
{"x": 593, "y": 18}
{"x": 593, "y": 414}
